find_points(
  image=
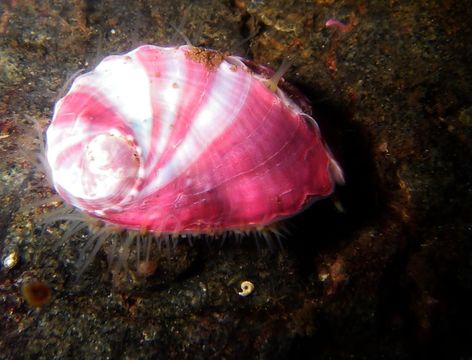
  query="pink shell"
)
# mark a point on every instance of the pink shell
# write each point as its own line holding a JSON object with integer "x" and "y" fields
{"x": 183, "y": 139}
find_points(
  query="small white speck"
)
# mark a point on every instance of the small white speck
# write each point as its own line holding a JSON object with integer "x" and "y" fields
{"x": 113, "y": 31}
{"x": 323, "y": 276}
{"x": 114, "y": 132}
{"x": 11, "y": 260}
{"x": 247, "y": 288}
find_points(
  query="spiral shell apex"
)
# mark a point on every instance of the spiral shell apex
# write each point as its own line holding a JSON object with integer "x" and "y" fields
{"x": 184, "y": 139}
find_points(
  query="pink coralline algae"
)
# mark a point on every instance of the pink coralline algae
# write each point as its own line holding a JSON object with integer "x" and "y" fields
{"x": 187, "y": 140}
{"x": 338, "y": 25}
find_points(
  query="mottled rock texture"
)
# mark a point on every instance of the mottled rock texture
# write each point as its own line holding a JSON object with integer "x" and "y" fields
{"x": 383, "y": 271}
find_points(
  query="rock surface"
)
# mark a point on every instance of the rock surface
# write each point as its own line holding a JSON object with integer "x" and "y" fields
{"x": 384, "y": 270}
